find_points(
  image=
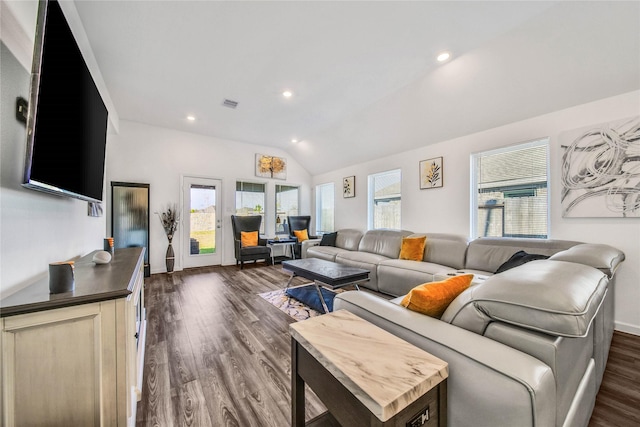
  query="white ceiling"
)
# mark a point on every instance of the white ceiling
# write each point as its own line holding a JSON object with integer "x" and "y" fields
{"x": 365, "y": 80}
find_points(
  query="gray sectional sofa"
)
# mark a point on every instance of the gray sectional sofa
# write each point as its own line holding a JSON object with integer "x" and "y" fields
{"x": 525, "y": 347}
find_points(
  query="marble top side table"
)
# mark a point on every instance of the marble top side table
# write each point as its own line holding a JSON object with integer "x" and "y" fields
{"x": 364, "y": 375}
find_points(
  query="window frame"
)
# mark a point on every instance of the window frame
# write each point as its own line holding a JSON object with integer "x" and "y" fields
{"x": 474, "y": 185}
{"x": 264, "y": 201}
{"x": 319, "y": 207}
{"x": 371, "y": 201}
{"x": 275, "y": 207}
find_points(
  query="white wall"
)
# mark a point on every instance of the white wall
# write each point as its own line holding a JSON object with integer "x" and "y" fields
{"x": 448, "y": 209}
{"x": 160, "y": 157}
{"x": 35, "y": 228}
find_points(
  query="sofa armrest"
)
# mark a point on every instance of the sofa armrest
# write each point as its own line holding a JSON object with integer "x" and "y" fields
{"x": 490, "y": 384}
{"x": 306, "y": 245}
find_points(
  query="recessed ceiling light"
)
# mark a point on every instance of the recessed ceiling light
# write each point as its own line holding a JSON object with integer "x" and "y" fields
{"x": 287, "y": 94}
{"x": 191, "y": 118}
{"x": 294, "y": 141}
{"x": 443, "y": 56}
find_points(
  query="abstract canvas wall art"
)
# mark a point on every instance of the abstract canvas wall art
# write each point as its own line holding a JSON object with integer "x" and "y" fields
{"x": 601, "y": 170}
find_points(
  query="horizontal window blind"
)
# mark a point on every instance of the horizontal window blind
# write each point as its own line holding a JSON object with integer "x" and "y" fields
{"x": 512, "y": 194}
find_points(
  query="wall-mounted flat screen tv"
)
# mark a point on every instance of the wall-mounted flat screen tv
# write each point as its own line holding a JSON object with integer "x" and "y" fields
{"x": 67, "y": 118}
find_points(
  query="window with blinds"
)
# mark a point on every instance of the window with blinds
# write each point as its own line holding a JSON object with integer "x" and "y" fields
{"x": 511, "y": 194}
{"x": 325, "y": 194}
{"x": 287, "y": 202}
{"x": 385, "y": 200}
{"x": 250, "y": 199}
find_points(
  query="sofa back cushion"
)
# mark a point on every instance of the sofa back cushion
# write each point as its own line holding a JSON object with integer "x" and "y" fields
{"x": 446, "y": 249}
{"x": 348, "y": 239}
{"x": 383, "y": 242}
{"x": 555, "y": 297}
{"x": 489, "y": 253}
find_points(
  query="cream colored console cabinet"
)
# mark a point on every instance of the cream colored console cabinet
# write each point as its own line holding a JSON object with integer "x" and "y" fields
{"x": 76, "y": 359}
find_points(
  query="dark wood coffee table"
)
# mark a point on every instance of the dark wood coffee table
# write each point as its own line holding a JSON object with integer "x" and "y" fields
{"x": 325, "y": 273}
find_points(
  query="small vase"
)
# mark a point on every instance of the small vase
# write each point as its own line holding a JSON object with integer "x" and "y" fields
{"x": 170, "y": 257}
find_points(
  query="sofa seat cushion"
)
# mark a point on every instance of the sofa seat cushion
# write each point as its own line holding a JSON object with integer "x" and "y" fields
{"x": 554, "y": 297}
{"x": 398, "y": 276}
{"x": 364, "y": 260}
{"x": 420, "y": 266}
{"x": 255, "y": 250}
{"x": 324, "y": 252}
{"x": 360, "y": 257}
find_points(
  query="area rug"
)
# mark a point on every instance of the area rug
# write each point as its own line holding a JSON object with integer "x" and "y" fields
{"x": 295, "y": 308}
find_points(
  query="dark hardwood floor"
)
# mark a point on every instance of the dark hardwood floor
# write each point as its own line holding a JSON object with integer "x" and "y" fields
{"x": 618, "y": 400}
{"x": 218, "y": 355}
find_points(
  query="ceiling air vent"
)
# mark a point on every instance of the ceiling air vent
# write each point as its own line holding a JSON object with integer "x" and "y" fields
{"x": 229, "y": 103}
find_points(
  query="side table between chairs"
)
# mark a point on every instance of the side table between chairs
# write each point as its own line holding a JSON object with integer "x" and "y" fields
{"x": 288, "y": 243}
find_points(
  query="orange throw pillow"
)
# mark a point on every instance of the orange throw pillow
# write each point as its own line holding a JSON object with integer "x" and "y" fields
{"x": 413, "y": 248}
{"x": 248, "y": 238}
{"x": 433, "y": 298}
{"x": 302, "y": 235}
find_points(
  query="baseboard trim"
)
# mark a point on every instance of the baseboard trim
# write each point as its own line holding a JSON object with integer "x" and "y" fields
{"x": 628, "y": 328}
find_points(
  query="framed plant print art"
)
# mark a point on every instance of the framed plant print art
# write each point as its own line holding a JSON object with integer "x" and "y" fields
{"x": 349, "y": 187}
{"x": 431, "y": 174}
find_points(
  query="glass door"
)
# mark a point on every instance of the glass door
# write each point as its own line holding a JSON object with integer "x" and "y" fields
{"x": 202, "y": 222}
{"x": 130, "y": 217}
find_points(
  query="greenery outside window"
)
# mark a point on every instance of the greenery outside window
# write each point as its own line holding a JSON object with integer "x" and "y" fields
{"x": 510, "y": 195}
{"x": 385, "y": 200}
{"x": 250, "y": 199}
{"x": 287, "y": 202}
{"x": 325, "y": 207}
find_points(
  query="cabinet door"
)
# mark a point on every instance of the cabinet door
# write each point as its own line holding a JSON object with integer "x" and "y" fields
{"x": 134, "y": 341}
{"x": 58, "y": 367}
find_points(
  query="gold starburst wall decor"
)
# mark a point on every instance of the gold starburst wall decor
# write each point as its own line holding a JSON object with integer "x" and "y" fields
{"x": 271, "y": 166}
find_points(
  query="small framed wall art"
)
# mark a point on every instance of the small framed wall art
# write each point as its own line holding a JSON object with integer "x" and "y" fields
{"x": 431, "y": 173}
{"x": 349, "y": 187}
{"x": 271, "y": 167}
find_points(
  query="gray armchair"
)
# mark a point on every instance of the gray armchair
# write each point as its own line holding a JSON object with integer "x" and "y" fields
{"x": 249, "y": 253}
{"x": 299, "y": 223}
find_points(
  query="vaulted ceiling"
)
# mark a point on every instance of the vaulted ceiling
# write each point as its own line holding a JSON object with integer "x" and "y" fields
{"x": 364, "y": 75}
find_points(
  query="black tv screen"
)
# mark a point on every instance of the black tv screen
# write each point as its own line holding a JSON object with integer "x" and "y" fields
{"x": 67, "y": 119}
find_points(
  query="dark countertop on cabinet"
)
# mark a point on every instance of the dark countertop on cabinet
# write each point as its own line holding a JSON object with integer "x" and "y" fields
{"x": 93, "y": 283}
